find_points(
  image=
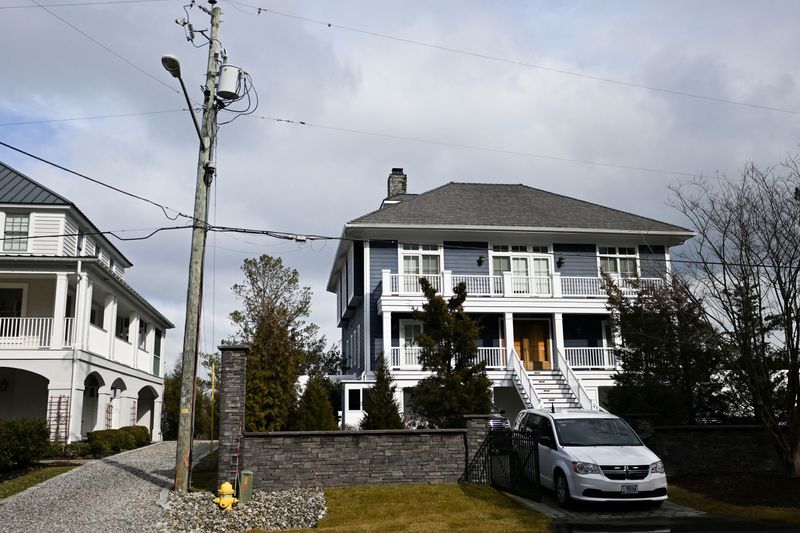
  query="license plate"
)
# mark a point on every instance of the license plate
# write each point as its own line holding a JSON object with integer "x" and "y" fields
{"x": 630, "y": 489}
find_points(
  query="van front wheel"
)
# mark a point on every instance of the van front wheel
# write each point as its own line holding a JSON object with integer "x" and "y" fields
{"x": 562, "y": 490}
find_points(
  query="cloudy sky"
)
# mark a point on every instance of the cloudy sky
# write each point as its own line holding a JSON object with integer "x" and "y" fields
{"x": 530, "y": 99}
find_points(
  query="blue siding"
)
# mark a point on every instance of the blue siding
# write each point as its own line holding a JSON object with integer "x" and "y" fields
{"x": 382, "y": 255}
{"x": 582, "y": 331}
{"x": 652, "y": 261}
{"x": 462, "y": 257}
{"x": 580, "y": 260}
{"x": 352, "y": 325}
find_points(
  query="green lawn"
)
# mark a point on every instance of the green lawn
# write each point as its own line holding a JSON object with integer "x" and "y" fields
{"x": 788, "y": 515}
{"x": 20, "y": 483}
{"x": 428, "y": 509}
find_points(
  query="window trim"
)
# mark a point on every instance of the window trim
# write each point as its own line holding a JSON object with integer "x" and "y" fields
{"x": 617, "y": 256}
{"x": 401, "y": 253}
{"x": 9, "y": 215}
{"x": 401, "y": 324}
{"x": 528, "y": 254}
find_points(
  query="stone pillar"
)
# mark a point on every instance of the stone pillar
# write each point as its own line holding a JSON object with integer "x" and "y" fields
{"x": 477, "y": 430}
{"x": 103, "y": 401}
{"x": 231, "y": 409}
{"x": 155, "y": 431}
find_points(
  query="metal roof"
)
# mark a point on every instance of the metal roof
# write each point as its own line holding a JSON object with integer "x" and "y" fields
{"x": 17, "y": 188}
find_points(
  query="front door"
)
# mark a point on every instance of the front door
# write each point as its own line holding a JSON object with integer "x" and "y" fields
{"x": 531, "y": 343}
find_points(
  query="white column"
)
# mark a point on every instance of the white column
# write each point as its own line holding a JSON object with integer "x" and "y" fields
{"x": 110, "y": 322}
{"x": 508, "y": 288}
{"x": 557, "y": 293}
{"x": 59, "y": 312}
{"x": 386, "y": 281}
{"x": 103, "y": 399}
{"x": 87, "y": 313}
{"x": 387, "y": 339}
{"x": 558, "y": 334}
{"x": 447, "y": 282}
{"x": 133, "y": 337}
{"x": 156, "y": 429}
{"x": 78, "y": 329}
{"x": 509, "y": 326}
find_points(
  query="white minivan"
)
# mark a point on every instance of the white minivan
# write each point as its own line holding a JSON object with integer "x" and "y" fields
{"x": 593, "y": 456}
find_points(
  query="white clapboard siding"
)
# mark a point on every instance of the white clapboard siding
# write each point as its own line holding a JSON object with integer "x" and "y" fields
{"x": 45, "y": 227}
{"x": 70, "y": 237}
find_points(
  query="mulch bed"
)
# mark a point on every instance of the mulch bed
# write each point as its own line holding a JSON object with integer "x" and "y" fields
{"x": 763, "y": 488}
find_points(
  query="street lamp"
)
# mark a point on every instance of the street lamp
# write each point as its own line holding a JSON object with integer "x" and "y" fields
{"x": 173, "y": 66}
{"x": 205, "y": 173}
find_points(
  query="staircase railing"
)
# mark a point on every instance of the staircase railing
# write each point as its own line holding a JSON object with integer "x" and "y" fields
{"x": 519, "y": 370}
{"x": 574, "y": 383}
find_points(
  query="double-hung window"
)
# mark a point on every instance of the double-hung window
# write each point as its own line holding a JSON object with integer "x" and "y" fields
{"x": 420, "y": 261}
{"x": 618, "y": 261}
{"x": 15, "y": 237}
{"x": 529, "y": 267}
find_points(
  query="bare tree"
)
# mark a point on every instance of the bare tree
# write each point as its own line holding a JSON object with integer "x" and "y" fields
{"x": 745, "y": 266}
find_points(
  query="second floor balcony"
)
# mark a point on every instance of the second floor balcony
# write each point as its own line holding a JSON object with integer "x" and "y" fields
{"x": 511, "y": 286}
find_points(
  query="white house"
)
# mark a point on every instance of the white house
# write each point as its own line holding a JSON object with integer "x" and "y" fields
{"x": 531, "y": 261}
{"x": 78, "y": 346}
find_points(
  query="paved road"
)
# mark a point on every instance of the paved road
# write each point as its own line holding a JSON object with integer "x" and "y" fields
{"x": 116, "y": 494}
{"x": 670, "y": 517}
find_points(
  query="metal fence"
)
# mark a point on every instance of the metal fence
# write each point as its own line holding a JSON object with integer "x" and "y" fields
{"x": 509, "y": 461}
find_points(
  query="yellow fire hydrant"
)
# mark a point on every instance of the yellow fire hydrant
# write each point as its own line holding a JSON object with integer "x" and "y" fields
{"x": 226, "y": 499}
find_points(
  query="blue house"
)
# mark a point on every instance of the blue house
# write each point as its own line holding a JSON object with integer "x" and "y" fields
{"x": 531, "y": 261}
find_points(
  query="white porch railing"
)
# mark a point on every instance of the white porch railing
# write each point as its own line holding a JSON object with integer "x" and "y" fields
{"x": 589, "y": 287}
{"x": 480, "y": 285}
{"x": 527, "y": 392}
{"x": 548, "y": 286}
{"x": 33, "y": 332}
{"x": 24, "y": 332}
{"x": 407, "y": 357}
{"x": 574, "y": 383}
{"x": 584, "y": 358}
{"x": 409, "y": 283}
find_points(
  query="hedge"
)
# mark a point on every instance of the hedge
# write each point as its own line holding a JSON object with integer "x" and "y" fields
{"x": 22, "y": 442}
{"x": 116, "y": 440}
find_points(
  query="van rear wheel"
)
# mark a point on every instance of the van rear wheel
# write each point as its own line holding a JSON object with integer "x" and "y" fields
{"x": 562, "y": 490}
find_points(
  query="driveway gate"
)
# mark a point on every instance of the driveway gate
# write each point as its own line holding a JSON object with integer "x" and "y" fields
{"x": 507, "y": 460}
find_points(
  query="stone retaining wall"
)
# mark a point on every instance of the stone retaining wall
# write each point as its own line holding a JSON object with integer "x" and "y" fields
{"x": 338, "y": 458}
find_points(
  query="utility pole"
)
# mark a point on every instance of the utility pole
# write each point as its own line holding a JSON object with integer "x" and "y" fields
{"x": 205, "y": 174}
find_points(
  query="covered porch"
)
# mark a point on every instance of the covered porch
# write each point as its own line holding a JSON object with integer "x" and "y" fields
{"x": 540, "y": 341}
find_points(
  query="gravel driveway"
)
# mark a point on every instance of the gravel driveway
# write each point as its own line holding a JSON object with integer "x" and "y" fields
{"x": 118, "y": 493}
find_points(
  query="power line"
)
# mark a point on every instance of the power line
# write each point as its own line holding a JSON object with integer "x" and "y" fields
{"x": 92, "y": 117}
{"x": 98, "y": 182}
{"x": 476, "y": 147}
{"x": 518, "y": 63}
{"x": 106, "y": 48}
{"x": 76, "y": 4}
{"x": 113, "y": 233}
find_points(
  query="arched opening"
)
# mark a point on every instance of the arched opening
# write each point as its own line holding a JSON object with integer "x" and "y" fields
{"x": 89, "y": 413}
{"x": 117, "y": 388}
{"x": 145, "y": 407}
{"x": 23, "y": 394}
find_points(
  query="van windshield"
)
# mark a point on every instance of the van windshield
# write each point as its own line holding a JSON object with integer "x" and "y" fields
{"x": 595, "y": 432}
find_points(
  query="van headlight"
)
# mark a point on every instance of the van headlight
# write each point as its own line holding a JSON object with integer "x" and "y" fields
{"x": 657, "y": 468}
{"x": 585, "y": 468}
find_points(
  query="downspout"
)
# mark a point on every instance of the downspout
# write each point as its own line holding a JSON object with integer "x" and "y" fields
{"x": 78, "y": 306}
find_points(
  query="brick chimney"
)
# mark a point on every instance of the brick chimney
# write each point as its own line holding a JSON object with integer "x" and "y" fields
{"x": 397, "y": 183}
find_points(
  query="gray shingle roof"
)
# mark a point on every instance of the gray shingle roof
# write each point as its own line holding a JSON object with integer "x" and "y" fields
{"x": 488, "y": 204}
{"x": 17, "y": 188}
